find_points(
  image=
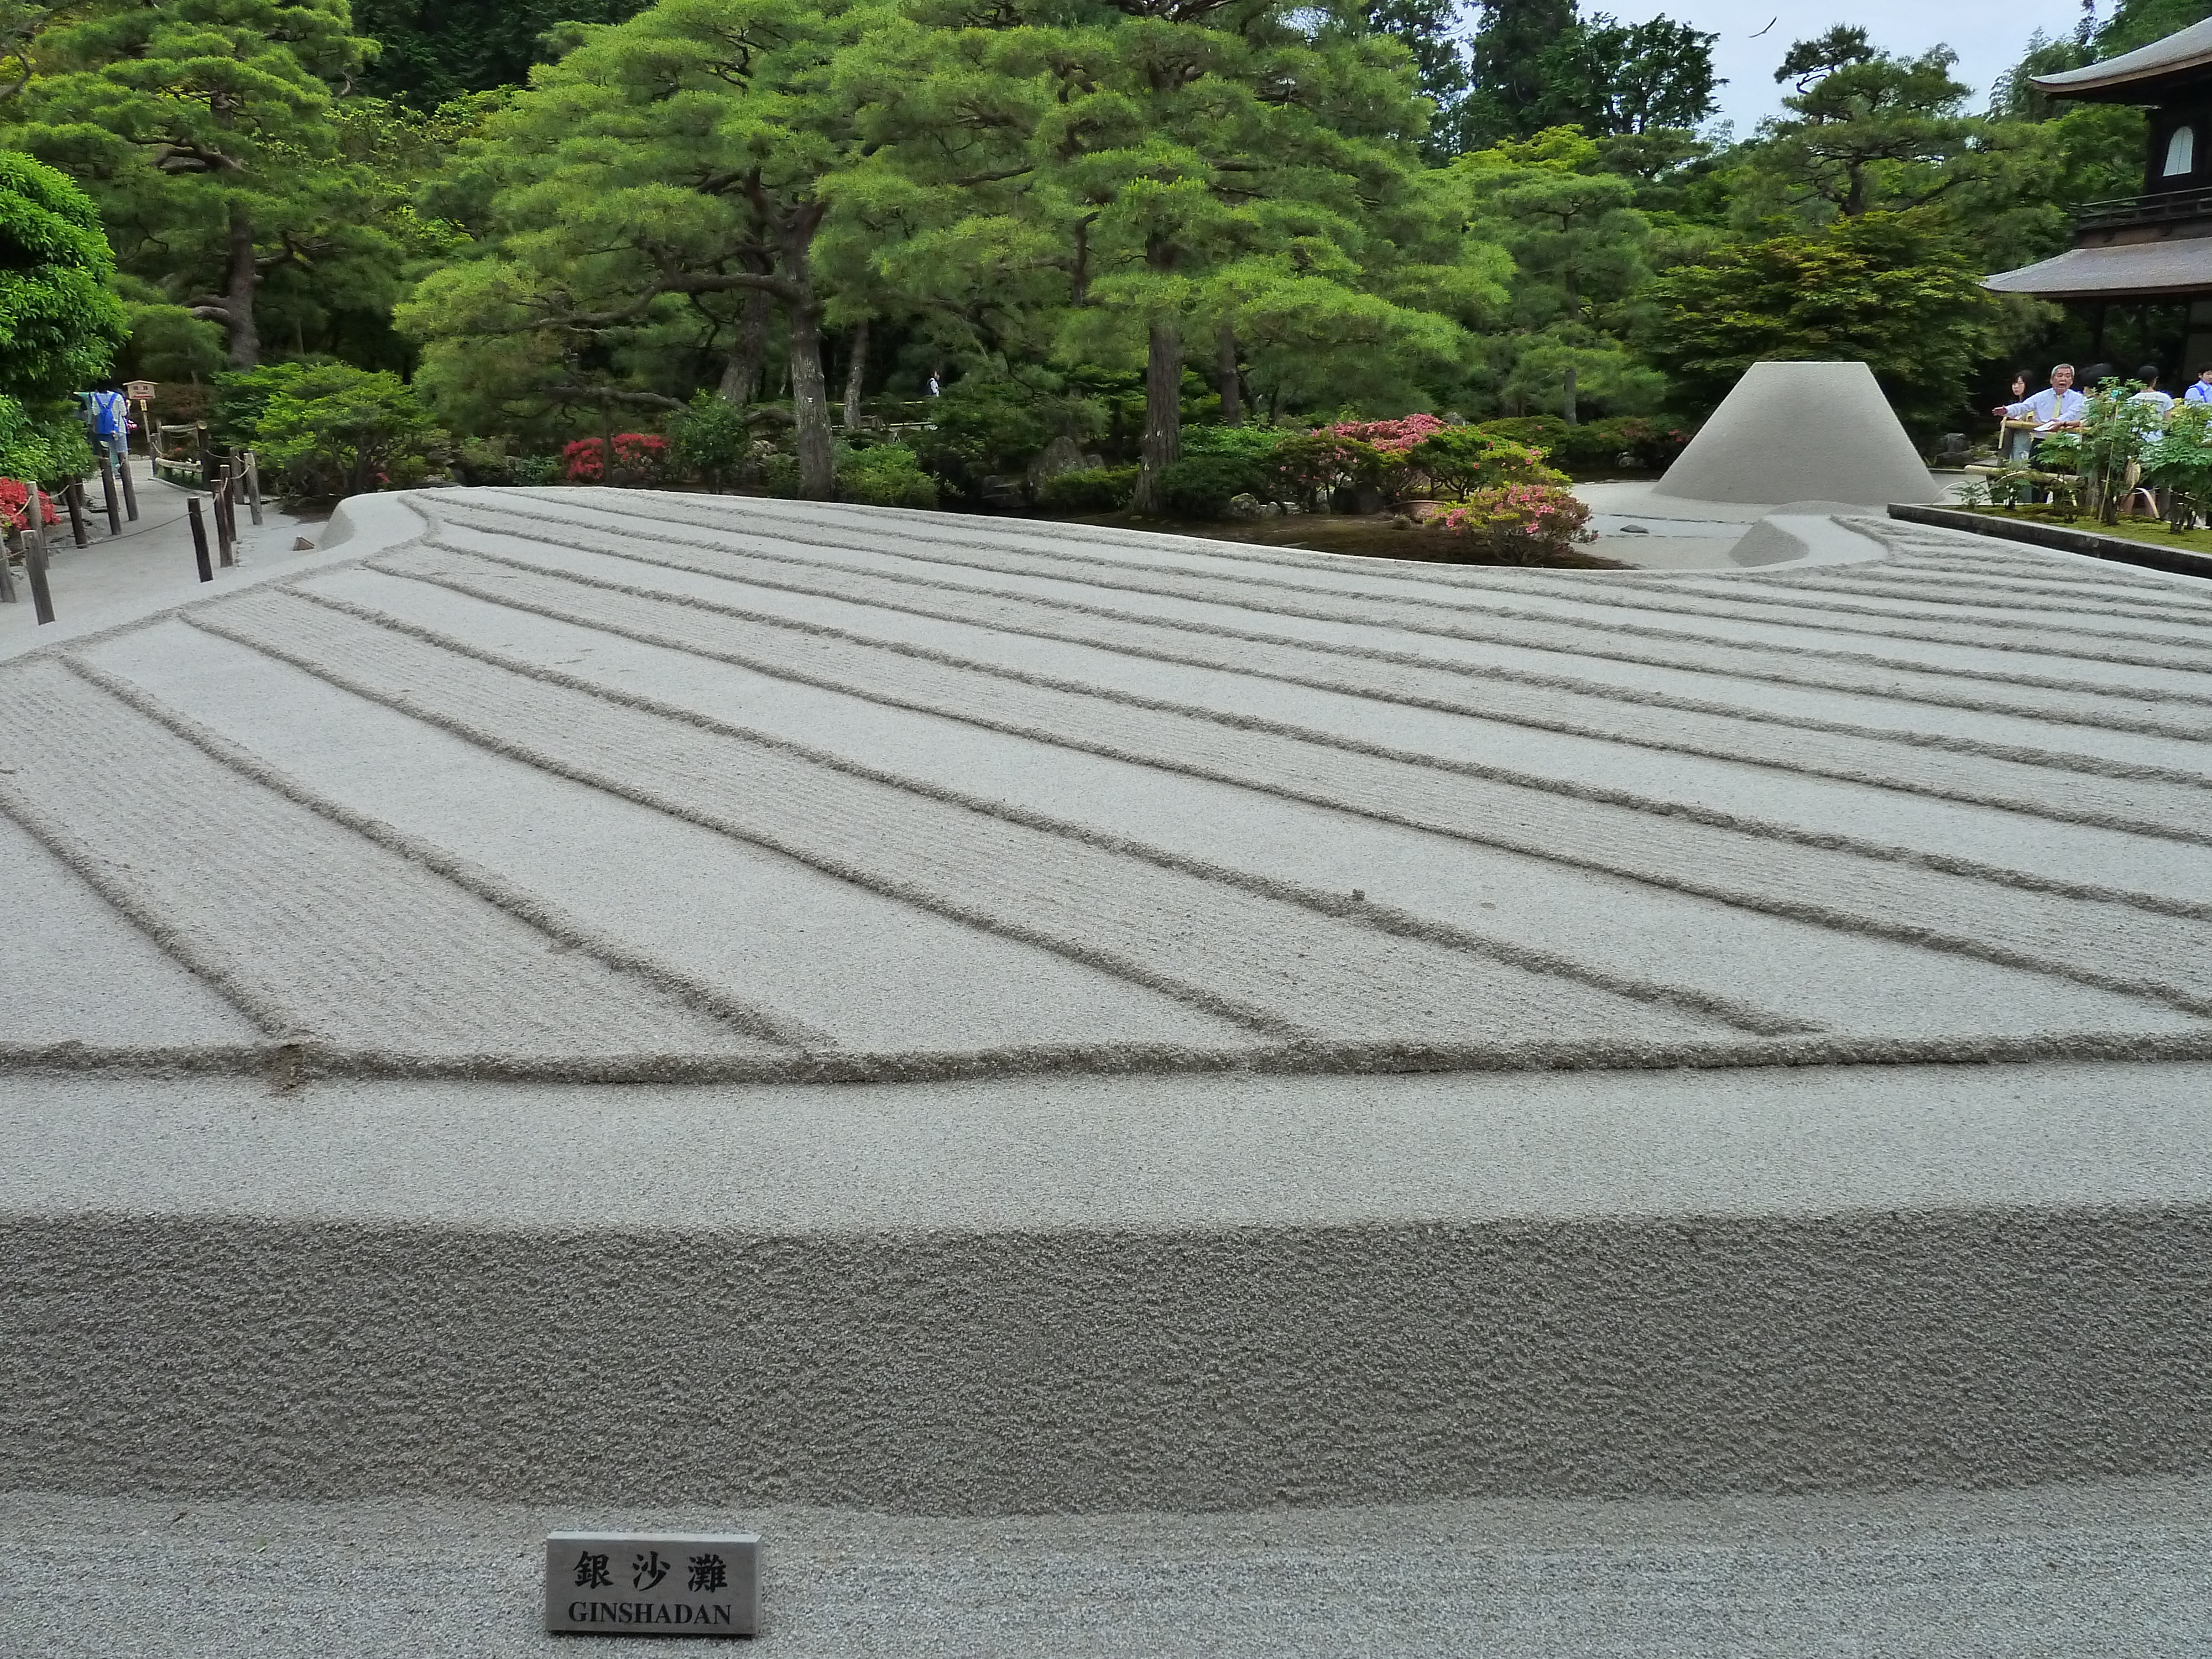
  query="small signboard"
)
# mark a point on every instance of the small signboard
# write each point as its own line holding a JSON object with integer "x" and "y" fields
{"x": 139, "y": 391}
{"x": 652, "y": 1583}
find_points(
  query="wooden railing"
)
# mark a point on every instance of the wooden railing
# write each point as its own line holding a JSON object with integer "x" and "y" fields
{"x": 2159, "y": 208}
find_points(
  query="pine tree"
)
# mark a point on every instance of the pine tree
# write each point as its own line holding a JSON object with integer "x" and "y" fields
{"x": 661, "y": 172}
{"x": 1157, "y": 184}
{"x": 206, "y": 131}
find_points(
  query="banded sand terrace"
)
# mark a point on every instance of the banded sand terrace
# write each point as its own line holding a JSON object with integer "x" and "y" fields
{"x": 602, "y": 997}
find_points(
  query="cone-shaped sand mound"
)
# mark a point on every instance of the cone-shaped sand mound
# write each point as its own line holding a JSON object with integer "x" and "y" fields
{"x": 1802, "y": 432}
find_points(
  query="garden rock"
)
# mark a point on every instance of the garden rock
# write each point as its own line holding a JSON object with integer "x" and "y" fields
{"x": 1004, "y": 495}
{"x": 1062, "y": 454}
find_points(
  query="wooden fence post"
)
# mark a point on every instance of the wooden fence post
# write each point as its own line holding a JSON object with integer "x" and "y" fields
{"x": 199, "y": 538}
{"x": 222, "y": 545}
{"x": 42, "y": 597}
{"x": 253, "y": 483}
{"x": 130, "y": 490}
{"x": 107, "y": 494}
{"x": 12, "y": 545}
{"x": 73, "y": 498}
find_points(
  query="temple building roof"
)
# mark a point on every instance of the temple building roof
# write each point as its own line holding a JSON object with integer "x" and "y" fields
{"x": 2142, "y": 76}
{"x": 2180, "y": 266}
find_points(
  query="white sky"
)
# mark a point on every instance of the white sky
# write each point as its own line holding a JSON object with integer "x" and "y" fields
{"x": 1989, "y": 36}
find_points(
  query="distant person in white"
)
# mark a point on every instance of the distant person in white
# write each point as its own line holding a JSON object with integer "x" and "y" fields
{"x": 2056, "y": 404}
{"x": 2161, "y": 401}
{"x": 2200, "y": 389}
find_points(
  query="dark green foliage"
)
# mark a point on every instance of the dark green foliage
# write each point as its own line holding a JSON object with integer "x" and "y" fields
{"x": 1428, "y": 30}
{"x": 885, "y": 476}
{"x": 240, "y": 397}
{"x": 981, "y": 428}
{"x": 59, "y": 325}
{"x": 2138, "y": 22}
{"x": 434, "y": 51}
{"x": 1200, "y": 486}
{"x": 1884, "y": 287}
{"x": 1610, "y": 78}
{"x": 1546, "y": 432}
{"x": 1505, "y": 58}
{"x": 1095, "y": 489}
{"x": 1538, "y": 64}
{"x": 711, "y": 441}
{"x": 333, "y": 430}
{"x": 1631, "y": 441}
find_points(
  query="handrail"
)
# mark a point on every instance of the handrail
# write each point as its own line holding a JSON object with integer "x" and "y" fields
{"x": 2156, "y": 207}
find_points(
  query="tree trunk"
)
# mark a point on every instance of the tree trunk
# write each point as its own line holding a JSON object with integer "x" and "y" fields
{"x": 856, "y": 371}
{"x": 1574, "y": 417}
{"x": 1162, "y": 441}
{"x": 1225, "y": 369}
{"x": 741, "y": 376}
{"x": 239, "y": 293}
{"x": 809, "y": 397}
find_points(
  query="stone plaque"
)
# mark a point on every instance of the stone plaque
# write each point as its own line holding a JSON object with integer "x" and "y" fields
{"x": 652, "y": 1583}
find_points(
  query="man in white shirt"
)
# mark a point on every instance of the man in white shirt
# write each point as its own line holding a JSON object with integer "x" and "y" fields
{"x": 2056, "y": 404}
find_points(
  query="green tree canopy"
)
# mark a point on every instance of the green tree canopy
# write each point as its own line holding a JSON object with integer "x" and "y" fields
{"x": 1581, "y": 253}
{"x": 1246, "y": 177}
{"x": 206, "y": 131}
{"x": 1539, "y": 64}
{"x": 1866, "y": 130}
{"x": 1883, "y": 288}
{"x": 660, "y": 172}
{"x": 59, "y": 324}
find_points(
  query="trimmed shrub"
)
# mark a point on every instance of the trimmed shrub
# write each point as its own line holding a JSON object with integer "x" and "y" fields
{"x": 983, "y": 428}
{"x": 711, "y": 441}
{"x": 885, "y": 476}
{"x": 1255, "y": 441}
{"x": 1311, "y": 468}
{"x": 1094, "y": 490}
{"x": 1546, "y": 432}
{"x": 1200, "y": 486}
{"x": 1391, "y": 437}
{"x": 779, "y": 473}
{"x": 1620, "y": 441}
{"x": 333, "y": 430}
{"x": 1520, "y": 523}
{"x": 641, "y": 459}
{"x": 1456, "y": 459}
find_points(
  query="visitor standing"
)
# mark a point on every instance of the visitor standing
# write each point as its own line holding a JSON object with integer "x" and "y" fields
{"x": 2056, "y": 404}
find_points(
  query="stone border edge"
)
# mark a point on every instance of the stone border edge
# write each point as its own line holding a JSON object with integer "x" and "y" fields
{"x": 2117, "y": 549}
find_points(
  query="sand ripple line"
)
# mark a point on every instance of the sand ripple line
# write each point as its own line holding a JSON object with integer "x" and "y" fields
{"x": 1796, "y": 670}
{"x": 314, "y": 932}
{"x": 2000, "y": 779}
{"x": 1199, "y": 643}
{"x": 1363, "y": 604}
{"x": 2111, "y": 946}
{"x": 552, "y": 919}
{"x": 1265, "y": 952}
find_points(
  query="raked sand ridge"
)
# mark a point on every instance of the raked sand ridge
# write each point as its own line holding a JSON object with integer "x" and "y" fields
{"x": 1046, "y": 1018}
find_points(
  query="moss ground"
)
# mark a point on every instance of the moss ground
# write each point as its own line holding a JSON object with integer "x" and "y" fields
{"x": 2134, "y": 530}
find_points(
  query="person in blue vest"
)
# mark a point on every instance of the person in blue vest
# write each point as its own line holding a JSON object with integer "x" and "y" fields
{"x": 108, "y": 420}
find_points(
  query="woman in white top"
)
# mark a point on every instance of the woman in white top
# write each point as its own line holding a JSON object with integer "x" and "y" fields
{"x": 2162, "y": 402}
